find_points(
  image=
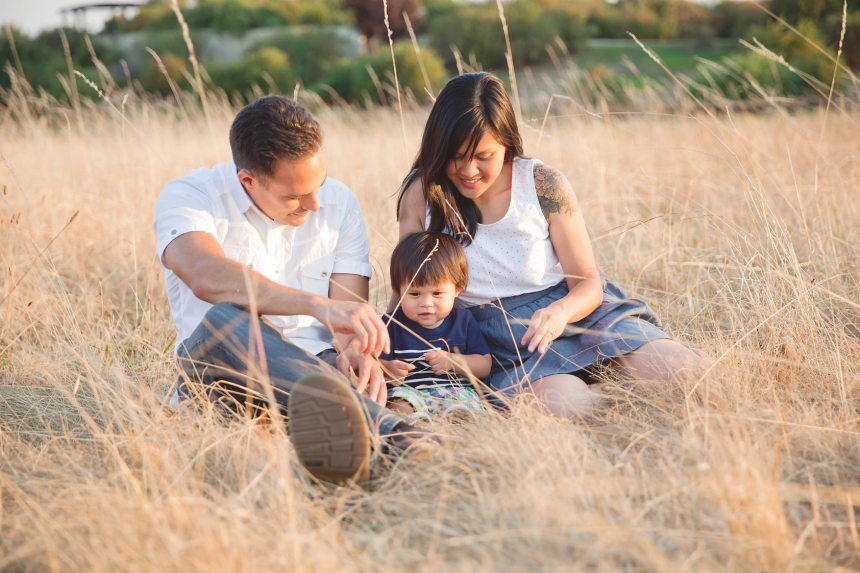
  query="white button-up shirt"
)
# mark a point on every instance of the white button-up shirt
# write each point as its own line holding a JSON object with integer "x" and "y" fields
{"x": 331, "y": 240}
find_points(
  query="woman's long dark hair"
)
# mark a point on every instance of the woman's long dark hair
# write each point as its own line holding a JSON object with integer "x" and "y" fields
{"x": 468, "y": 107}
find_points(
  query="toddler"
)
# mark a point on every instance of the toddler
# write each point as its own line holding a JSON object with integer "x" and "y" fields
{"x": 435, "y": 348}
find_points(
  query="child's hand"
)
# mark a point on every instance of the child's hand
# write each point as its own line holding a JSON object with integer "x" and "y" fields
{"x": 440, "y": 361}
{"x": 396, "y": 369}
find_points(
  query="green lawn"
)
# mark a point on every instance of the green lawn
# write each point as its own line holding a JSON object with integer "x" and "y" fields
{"x": 677, "y": 55}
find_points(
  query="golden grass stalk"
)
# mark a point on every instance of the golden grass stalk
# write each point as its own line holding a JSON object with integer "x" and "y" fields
{"x": 192, "y": 57}
{"x": 509, "y": 56}
{"x": 73, "y": 84}
{"x": 396, "y": 81}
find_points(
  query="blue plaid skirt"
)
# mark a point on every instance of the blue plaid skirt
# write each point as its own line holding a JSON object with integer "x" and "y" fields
{"x": 618, "y": 326}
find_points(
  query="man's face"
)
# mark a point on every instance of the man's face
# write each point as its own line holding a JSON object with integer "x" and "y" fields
{"x": 291, "y": 193}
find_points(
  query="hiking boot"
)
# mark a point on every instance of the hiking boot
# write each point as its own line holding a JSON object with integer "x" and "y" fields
{"x": 329, "y": 430}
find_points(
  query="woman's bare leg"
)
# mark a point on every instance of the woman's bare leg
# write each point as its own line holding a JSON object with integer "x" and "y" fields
{"x": 661, "y": 361}
{"x": 564, "y": 395}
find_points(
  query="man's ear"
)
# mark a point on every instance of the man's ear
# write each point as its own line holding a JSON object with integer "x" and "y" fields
{"x": 247, "y": 179}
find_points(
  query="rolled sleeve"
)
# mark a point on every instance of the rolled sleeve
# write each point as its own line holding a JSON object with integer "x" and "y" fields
{"x": 181, "y": 210}
{"x": 352, "y": 255}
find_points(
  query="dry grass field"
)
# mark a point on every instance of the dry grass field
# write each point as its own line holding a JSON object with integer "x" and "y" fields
{"x": 742, "y": 232}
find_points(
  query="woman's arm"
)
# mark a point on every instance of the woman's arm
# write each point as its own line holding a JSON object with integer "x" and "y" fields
{"x": 412, "y": 215}
{"x": 572, "y": 245}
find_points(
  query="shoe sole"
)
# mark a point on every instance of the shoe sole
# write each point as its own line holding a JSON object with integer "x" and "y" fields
{"x": 329, "y": 431}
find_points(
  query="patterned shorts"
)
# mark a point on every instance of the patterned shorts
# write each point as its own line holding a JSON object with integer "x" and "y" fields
{"x": 439, "y": 401}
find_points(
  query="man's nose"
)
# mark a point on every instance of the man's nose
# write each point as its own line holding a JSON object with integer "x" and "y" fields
{"x": 312, "y": 202}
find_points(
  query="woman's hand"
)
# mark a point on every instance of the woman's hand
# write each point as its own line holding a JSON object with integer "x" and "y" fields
{"x": 546, "y": 325}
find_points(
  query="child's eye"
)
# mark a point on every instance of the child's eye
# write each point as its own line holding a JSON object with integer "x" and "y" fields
{"x": 438, "y": 293}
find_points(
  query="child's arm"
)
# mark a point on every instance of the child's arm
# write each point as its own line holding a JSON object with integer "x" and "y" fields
{"x": 395, "y": 369}
{"x": 477, "y": 365}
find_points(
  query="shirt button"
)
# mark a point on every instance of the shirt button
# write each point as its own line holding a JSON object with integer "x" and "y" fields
{"x": 324, "y": 274}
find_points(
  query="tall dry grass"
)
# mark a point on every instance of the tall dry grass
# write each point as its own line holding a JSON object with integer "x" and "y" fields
{"x": 741, "y": 232}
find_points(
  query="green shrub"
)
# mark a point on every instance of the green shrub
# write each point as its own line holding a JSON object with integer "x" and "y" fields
{"x": 311, "y": 51}
{"x": 235, "y": 16}
{"x": 267, "y": 67}
{"x": 652, "y": 19}
{"x": 42, "y": 58}
{"x": 795, "y": 50}
{"x": 732, "y": 19}
{"x": 475, "y": 29}
{"x": 352, "y": 81}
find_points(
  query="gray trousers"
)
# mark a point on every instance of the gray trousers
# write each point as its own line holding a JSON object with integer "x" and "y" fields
{"x": 221, "y": 361}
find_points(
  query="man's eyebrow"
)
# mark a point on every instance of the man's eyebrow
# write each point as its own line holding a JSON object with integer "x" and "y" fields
{"x": 312, "y": 192}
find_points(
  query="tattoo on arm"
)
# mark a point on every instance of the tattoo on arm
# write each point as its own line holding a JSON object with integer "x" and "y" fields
{"x": 554, "y": 192}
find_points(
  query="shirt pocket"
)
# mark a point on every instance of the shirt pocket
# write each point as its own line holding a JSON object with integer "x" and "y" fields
{"x": 316, "y": 274}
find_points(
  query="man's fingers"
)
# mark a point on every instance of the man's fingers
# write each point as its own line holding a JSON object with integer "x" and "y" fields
{"x": 376, "y": 390}
{"x": 372, "y": 336}
{"x": 362, "y": 376}
{"x": 382, "y": 342}
{"x": 360, "y": 334}
{"x": 342, "y": 365}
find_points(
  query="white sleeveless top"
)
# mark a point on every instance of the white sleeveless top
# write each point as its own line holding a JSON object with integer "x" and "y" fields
{"x": 514, "y": 255}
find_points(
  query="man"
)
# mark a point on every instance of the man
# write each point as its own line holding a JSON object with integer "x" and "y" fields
{"x": 270, "y": 234}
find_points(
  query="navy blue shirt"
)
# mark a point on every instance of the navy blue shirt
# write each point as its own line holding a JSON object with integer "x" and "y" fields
{"x": 459, "y": 331}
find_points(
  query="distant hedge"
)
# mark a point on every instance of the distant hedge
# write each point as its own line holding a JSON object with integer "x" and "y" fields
{"x": 352, "y": 81}
{"x": 476, "y": 31}
{"x": 235, "y": 16}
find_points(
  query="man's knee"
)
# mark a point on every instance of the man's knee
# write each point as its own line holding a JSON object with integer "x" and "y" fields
{"x": 224, "y": 314}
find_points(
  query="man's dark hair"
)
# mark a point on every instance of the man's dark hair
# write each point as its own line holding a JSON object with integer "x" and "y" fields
{"x": 269, "y": 130}
{"x": 445, "y": 261}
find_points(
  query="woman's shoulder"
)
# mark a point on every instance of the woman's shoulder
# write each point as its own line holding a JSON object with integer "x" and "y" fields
{"x": 554, "y": 192}
{"x": 413, "y": 207}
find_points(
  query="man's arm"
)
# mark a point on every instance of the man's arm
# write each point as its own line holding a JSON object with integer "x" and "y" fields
{"x": 351, "y": 288}
{"x": 199, "y": 261}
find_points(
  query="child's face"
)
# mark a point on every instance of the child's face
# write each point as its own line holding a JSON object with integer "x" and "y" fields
{"x": 429, "y": 305}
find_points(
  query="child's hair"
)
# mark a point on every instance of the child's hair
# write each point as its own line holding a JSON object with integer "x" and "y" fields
{"x": 447, "y": 263}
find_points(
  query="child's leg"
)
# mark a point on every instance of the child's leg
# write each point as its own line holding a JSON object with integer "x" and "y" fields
{"x": 400, "y": 406}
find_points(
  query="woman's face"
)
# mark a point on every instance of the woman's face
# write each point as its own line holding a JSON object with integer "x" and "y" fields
{"x": 474, "y": 176}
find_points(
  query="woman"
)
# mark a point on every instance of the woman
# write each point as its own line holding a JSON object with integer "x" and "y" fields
{"x": 534, "y": 287}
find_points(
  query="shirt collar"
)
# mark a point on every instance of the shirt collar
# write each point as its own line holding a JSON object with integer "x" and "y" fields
{"x": 237, "y": 191}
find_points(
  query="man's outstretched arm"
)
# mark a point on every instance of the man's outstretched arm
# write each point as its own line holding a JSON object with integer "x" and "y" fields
{"x": 199, "y": 261}
{"x": 350, "y": 287}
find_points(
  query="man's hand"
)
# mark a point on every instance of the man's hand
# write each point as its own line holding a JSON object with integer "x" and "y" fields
{"x": 396, "y": 369}
{"x": 368, "y": 372}
{"x": 356, "y": 318}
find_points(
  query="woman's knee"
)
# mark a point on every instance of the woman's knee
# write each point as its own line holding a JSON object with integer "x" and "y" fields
{"x": 662, "y": 360}
{"x": 564, "y": 395}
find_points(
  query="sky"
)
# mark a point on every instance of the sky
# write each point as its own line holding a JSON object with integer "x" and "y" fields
{"x": 32, "y": 16}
